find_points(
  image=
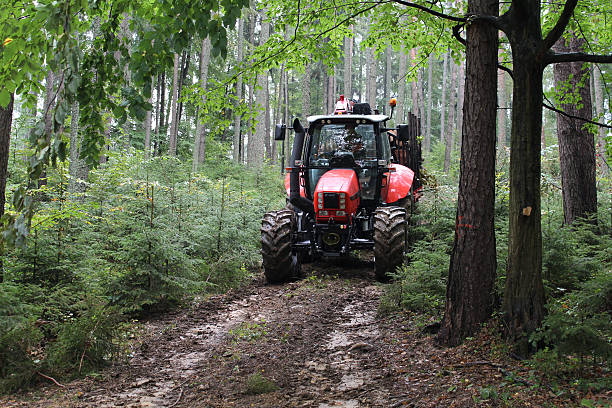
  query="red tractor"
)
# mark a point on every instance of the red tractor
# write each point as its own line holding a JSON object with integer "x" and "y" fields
{"x": 350, "y": 182}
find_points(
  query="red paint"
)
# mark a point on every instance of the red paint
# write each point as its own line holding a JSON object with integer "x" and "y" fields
{"x": 399, "y": 183}
{"x": 338, "y": 181}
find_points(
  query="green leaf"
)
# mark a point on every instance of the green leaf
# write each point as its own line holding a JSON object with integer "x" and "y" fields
{"x": 5, "y": 98}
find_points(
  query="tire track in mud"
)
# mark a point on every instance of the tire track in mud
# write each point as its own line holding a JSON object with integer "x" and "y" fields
{"x": 317, "y": 340}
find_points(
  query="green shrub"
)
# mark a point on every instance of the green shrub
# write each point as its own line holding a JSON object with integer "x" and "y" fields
{"x": 578, "y": 324}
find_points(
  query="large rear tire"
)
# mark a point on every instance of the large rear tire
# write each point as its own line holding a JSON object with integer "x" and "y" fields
{"x": 389, "y": 240}
{"x": 279, "y": 263}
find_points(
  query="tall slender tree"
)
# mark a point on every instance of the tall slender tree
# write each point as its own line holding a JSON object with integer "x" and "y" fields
{"x": 237, "y": 140}
{"x": 199, "y": 145}
{"x": 174, "y": 124}
{"x": 443, "y": 100}
{"x": 6, "y": 120}
{"x": 427, "y": 139}
{"x": 348, "y": 65}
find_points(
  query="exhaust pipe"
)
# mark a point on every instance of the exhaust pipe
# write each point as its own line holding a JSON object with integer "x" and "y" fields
{"x": 295, "y": 198}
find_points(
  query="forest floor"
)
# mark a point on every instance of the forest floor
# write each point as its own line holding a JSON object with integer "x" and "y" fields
{"x": 318, "y": 342}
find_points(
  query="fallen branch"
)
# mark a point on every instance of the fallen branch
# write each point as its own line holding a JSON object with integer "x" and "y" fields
{"x": 51, "y": 378}
{"x": 178, "y": 399}
{"x": 478, "y": 363}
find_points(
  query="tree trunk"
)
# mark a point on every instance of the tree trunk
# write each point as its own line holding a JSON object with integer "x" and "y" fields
{"x": 148, "y": 119}
{"x": 257, "y": 143}
{"x": 413, "y": 85}
{"x": 182, "y": 81}
{"x": 388, "y": 69}
{"x": 401, "y": 87}
{"x": 78, "y": 169}
{"x": 451, "y": 112}
{"x": 348, "y": 63}
{"x": 427, "y": 141}
{"x": 502, "y": 105}
{"x": 237, "y": 151}
{"x": 370, "y": 77}
{"x": 48, "y": 106}
{"x": 443, "y": 101}
{"x": 576, "y": 147}
{"x": 199, "y": 144}
{"x": 421, "y": 98}
{"x": 174, "y": 125}
{"x": 599, "y": 111}
{"x": 469, "y": 292}
{"x": 524, "y": 292}
{"x": 460, "y": 100}
{"x": 306, "y": 79}
{"x": 6, "y": 120}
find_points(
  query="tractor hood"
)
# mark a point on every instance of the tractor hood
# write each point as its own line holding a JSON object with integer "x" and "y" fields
{"x": 336, "y": 196}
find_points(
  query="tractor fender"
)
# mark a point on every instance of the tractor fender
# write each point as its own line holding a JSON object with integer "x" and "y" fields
{"x": 399, "y": 183}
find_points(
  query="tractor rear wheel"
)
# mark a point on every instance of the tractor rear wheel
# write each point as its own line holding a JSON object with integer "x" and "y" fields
{"x": 279, "y": 263}
{"x": 389, "y": 240}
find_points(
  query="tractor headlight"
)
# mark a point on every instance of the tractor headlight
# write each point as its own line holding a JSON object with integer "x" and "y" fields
{"x": 342, "y": 200}
{"x": 320, "y": 200}
{"x": 340, "y": 213}
{"x": 324, "y": 213}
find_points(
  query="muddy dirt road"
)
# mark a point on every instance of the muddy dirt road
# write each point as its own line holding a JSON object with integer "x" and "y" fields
{"x": 314, "y": 343}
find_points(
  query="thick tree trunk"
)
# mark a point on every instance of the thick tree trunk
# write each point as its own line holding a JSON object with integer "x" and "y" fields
{"x": 199, "y": 144}
{"x": 174, "y": 125}
{"x": 576, "y": 146}
{"x": 469, "y": 292}
{"x": 427, "y": 140}
{"x": 524, "y": 292}
{"x": 6, "y": 120}
{"x": 237, "y": 151}
{"x": 348, "y": 62}
{"x": 443, "y": 101}
{"x": 451, "y": 117}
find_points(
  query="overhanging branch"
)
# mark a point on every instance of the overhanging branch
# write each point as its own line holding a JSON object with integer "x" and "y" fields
{"x": 559, "y": 111}
{"x": 432, "y": 12}
{"x": 553, "y": 57}
{"x": 559, "y": 28}
{"x": 506, "y": 69}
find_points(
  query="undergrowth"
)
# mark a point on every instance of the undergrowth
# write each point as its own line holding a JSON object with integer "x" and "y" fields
{"x": 143, "y": 238}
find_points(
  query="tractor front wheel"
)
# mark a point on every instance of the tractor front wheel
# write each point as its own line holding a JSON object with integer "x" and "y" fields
{"x": 279, "y": 263}
{"x": 389, "y": 240}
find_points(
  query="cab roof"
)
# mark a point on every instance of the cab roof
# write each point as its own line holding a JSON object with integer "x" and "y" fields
{"x": 341, "y": 118}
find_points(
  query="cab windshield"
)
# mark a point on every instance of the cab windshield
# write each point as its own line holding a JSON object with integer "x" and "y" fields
{"x": 330, "y": 139}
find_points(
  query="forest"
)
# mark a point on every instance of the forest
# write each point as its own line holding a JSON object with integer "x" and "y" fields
{"x": 138, "y": 158}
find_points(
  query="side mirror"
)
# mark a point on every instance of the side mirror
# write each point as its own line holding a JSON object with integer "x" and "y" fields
{"x": 279, "y": 132}
{"x": 403, "y": 133}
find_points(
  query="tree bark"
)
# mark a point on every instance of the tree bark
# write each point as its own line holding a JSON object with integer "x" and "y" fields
{"x": 576, "y": 146}
{"x": 6, "y": 120}
{"x": 388, "y": 73}
{"x": 199, "y": 144}
{"x": 469, "y": 292}
{"x": 78, "y": 169}
{"x": 174, "y": 125}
